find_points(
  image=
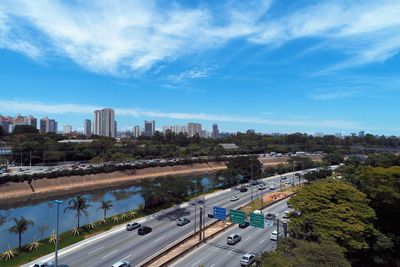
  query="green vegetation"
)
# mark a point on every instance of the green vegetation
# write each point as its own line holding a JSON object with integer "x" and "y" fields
{"x": 20, "y": 226}
{"x": 294, "y": 252}
{"x": 80, "y": 205}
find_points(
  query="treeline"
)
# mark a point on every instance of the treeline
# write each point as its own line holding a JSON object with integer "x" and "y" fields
{"x": 31, "y": 147}
{"x": 350, "y": 220}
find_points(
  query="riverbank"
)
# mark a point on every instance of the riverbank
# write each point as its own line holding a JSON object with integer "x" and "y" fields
{"x": 13, "y": 193}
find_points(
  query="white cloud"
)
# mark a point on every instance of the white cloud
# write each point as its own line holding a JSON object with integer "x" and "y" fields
{"x": 13, "y": 106}
{"x": 338, "y": 94}
{"x": 125, "y": 37}
{"x": 189, "y": 74}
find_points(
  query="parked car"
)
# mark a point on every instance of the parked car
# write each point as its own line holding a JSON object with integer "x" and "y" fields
{"x": 244, "y": 225}
{"x": 233, "y": 239}
{"x": 247, "y": 259}
{"x": 132, "y": 226}
{"x": 234, "y": 198}
{"x": 243, "y": 189}
{"x": 274, "y": 235}
{"x": 143, "y": 230}
{"x": 182, "y": 221}
{"x": 121, "y": 264}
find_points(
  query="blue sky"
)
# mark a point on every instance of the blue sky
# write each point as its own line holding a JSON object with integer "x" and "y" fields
{"x": 273, "y": 66}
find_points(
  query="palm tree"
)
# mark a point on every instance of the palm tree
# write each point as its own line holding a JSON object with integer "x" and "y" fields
{"x": 105, "y": 205}
{"x": 80, "y": 205}
{"x": 19, "y": 227}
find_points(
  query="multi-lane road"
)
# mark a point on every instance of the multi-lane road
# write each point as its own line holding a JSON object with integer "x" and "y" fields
{"x": 119, "y": 244}
{"x": 217, "y": 253}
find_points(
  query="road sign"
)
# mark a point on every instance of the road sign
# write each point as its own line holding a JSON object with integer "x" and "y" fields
{"x": 270, "y": 223}
{"x": 257, "y": 220}
{"x": 237, "y": 216}
{"x": 219, "y": 213}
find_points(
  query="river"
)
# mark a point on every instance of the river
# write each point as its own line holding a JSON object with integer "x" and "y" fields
{"x": 43, "y": 213}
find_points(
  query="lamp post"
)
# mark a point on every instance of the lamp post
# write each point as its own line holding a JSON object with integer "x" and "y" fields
{"x": 58, "y": 202}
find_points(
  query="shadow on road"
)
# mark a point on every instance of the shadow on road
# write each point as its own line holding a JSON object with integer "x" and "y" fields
{"x": 174, "y": 214}
{"x": 229, "y": 248}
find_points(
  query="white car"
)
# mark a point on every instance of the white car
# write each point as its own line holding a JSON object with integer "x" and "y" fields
{"x": 262, "y": 187}
{"x": 234, "y": 198}
{"x": 247, "y": 259}
{"x": 122, "y": 264}
{"x": 274, "y": 236}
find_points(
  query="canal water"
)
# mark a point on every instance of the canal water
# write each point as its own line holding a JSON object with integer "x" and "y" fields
{"x": 43, "y": 214}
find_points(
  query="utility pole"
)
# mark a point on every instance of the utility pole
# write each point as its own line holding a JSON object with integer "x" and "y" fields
{"x": 195, "y": 204}
{"x": 277, "y": 231}
{"x": 204, "y": 212}
{"x": 21, "y": 159}
{"x": 284, "y": 229}
{"x": 58, "y": 202}
{"x": 30, "y": 158}
{"x": 251, "y": 184}
{"x": 201, "y": 219}
{"x": 293, "y": 172}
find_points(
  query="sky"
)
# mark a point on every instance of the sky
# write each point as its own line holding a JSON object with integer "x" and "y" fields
{"x": 273, "y": 66}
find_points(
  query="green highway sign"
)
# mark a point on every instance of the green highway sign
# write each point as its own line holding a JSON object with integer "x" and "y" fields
{"x": 237, "y": 216}
{"x": 257, "y": 220}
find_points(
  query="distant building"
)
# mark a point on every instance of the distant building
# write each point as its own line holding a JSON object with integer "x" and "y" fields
{"x": 215, "y": 131}
{"x": 104, "y": 122}
{"x": 361, "y": 134}
{"x": 32, "y": 121}
{"x": 136, "y": 131}
{"x": 6, "y": 126}
{"x": 203, "y": 134}
{"x": 251, "y": 131}
{"x": 193, "y": 129}
{"x": 67, "y": 129}
{"x": 87, "y": 127}
{"x": 149, "y": 128}
{"x": 173, "y": 128}
{"x": 229, "y": 146}
{"x": 48, "y": 125}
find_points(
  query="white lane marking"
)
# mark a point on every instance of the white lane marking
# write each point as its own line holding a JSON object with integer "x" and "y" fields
{"x": 110, "y": 254}
{"x": 172, "y": 223}
{"x": 126, "y": 257}
{"x": 212, "y": 265}
{"x": 158, "y": 239}
{"x": 261, "y": 241}
{"x": 96, "y": 250}
{"x": 196, "y": 263}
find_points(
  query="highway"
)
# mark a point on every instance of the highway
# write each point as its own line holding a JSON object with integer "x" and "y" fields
{"x": 216, "y": 252}
{"x": 120, "y": 244}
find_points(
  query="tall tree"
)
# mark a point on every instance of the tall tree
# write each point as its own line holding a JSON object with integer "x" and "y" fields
{"x": 106, "y": 205}
{"x": 20, "y": 226}
{"x": 79, "y": 205}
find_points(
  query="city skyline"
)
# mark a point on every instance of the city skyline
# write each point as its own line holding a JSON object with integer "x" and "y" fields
{"x": 261, "y": 65}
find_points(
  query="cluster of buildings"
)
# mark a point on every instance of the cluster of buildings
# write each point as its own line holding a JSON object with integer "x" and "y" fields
{"x": 104, "y": 124}
{"x": 45, "y": 124}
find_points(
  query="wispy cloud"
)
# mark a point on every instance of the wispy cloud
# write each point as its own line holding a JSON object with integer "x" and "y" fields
{"x": 189, "y": 74}
{"x": 330, "y": 95}
{"x": 13, "y": 106}
{"x": 126, "y": 37}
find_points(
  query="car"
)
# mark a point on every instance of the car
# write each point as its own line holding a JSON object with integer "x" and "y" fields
{"x": 233, "y": 239}
{"x": 143, "y": 230}
{"x": 121, "y": 264}
{"x": 270, "y": 216}
{"x": 234, "y": 198}
{"x": 272, "y": 187}
{"x": 258, "y": 212}
{"x": 247, "y": 259}
{"x": 283, "y": 178}
{"x": 132, "y": 226}
{"x": 289, "y": 205}
{"x": 210, "y": 215}
{"x": 286, "y": 214}
{"x": 43, "y": 264}
{"x": 274, "y": 235}
{"x": 182, "y": 221}
{"x": 243, "y": 189}
{"x": 244, "y": 225}
{"x": 262, "y": 187}
{"x": 253, "y": 182}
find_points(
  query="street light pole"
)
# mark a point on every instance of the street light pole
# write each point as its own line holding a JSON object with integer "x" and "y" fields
{"x": 195, "y": 205}
{"x": 58, "y": 202}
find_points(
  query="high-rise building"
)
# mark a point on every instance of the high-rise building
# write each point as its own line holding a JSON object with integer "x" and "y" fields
{"x": 173, "y": 128}
{"x": 215, "y": 131}
{"x": 361, "y": 134}
{"x": 48, "y": 125}
{"x": 203, "y": 134}
{"x": 149, "y": 128}
{"x": 30, "y": 120}
{"x": 193, "y": 129}
{"x": 104, "y": 122}
{"x": 87, "y": 127}
{"x": 67, "y": 129}
{"x": 136, "y": 131}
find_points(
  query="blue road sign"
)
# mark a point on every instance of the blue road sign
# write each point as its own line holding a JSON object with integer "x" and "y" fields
{"x": 219, "y": 213}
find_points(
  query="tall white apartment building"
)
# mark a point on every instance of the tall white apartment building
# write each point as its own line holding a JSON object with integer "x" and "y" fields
{"x": 104, "y": 122}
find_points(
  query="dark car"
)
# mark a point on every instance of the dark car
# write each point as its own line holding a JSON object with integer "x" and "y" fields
{"x": 270, "y": 216}
{"x": 182, "y": 221}
{"x": 143, "y": 230}
{"x": 244, "y": 225}
{"x": 132, "y": 226}
{"x": 243, "y": 189}
{"x": 210, "y": 215}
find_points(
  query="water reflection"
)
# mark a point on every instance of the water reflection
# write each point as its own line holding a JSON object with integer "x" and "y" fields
{"x": 43, "y": 214}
